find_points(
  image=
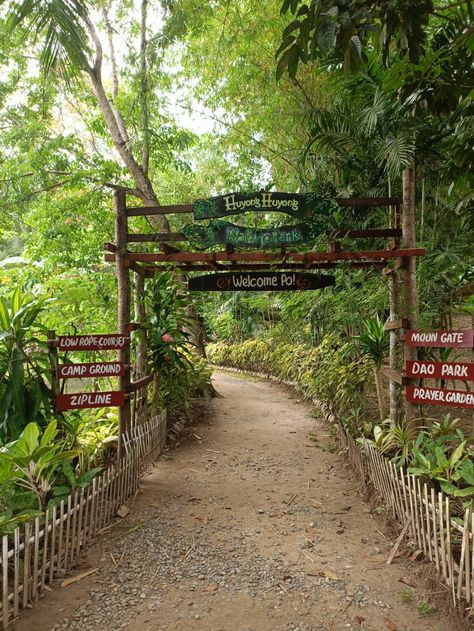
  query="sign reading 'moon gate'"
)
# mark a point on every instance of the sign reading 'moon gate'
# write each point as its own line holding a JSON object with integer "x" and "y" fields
{"x": 260, "y": 281}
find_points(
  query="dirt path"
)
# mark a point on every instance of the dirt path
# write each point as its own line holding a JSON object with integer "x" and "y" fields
{"x": 251, "y": 525}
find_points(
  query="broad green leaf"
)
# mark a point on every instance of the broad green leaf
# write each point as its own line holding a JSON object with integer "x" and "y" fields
{"x": 457, "y": 454}
{"x": 49, "y": 433}
{"x": 4, "y": 314}
{"x": 30, "y": 435}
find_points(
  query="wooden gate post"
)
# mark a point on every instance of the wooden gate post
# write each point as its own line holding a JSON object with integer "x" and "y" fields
{"x": 410, "y": 293}
{"x": 123, "y": 285}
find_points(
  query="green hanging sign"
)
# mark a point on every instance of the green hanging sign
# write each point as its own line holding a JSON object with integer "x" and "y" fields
{"x": 224, "y": 232}
{"x": 301, "y": 205}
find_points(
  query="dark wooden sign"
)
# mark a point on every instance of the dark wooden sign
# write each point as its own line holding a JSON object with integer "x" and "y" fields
{"x": 98, "y": 369}
{"x": 463, "y": 371}
{"x": 440, "y": 339}
{"x": 224, "y": 232}
{"x": 436, "y": 396}
{"x": 81, "y": 400}
{"x": 260, "y": 281}
{"x": 294, "y": 204}
{"x": 92, "y": 342}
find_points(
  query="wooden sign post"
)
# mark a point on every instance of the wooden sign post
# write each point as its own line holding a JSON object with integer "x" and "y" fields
{"x": 460, "y": 371}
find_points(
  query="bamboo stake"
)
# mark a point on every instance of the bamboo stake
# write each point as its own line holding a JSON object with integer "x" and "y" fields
{"x": 427, "y": 518}
{"x": 422, "y": 520}
{"x": 45, "y": 549}
{"x": 53, "y": 544}
{"x": 442, "y": 539}
{"x": 26, "y": 566}
{"x": 59, "y": 564}
{"x": 449, "y": 551}
{"x": 464, "y": 553}
{"x": 68, "y": 531}
{"x": 34, "y": 587}
{"x": 16, "y": 572}
{"x": 5, "y": 606}
{"x": 75, "y": 509}
{"x": 80, "y": 529}
{"x": 435, "y": 529}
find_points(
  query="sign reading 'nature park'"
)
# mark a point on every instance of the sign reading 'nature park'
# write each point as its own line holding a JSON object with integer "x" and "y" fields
{"x": 260, "y": 281}
{"x": 224, "y": 232}
{"x": 294, "y": 204}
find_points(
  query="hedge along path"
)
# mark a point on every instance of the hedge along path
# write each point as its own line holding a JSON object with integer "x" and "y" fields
{"x": 251, "y": 523}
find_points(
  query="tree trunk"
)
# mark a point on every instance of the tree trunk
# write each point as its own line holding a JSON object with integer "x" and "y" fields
{"x": 410, "y": 293}
{"x": 378, "y": 388}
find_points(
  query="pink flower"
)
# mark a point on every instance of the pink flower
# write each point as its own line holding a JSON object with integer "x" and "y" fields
{"x": 166, "y": 338}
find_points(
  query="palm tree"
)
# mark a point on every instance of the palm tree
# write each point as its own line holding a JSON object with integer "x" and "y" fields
{"x": 375, "y": 344}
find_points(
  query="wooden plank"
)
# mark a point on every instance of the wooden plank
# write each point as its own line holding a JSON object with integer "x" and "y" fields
{"x": 394, "y": 325}
{"x": 450, "y": 552}
{"x": 80, "y": 526}
{"x": 394, "y": 375}
{"x": 464, "y": 552}
{"x": 155, "y": 236}
{"x": 461, "y": 371}
{"x": 53, "y": 544}
{"x": 44, "y": 556}
{"x": 442, "y": 535}
{"x": 26, "y": 565}
{"x": 141, "y": 211}
{"x": 205, "y": 257}
{"x": 16, "y": 572}
{"x": 5, "y": 605}
{"x": 435, "y": 530}
{"x": 59, "y": 564}
{"x": 141, "y": 383}
{"x": 68, "y": 532}
{"x": 188, "y": 268}
{"x": 34, "y": 587}
{"x": 460, "y": 338}
{"x": 438, "y": 396}
{"x": 427, "y": 520}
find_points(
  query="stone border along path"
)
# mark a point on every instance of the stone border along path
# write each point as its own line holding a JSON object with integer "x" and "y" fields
{"x": 251, "y": 525}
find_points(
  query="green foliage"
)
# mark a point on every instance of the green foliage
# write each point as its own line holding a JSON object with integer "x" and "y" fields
{"x": 329, "y": 372}
{"x": 31, "y": 463}
{"x": 374, "y": 342}
{"x": 182, "y": 383}
{"x": 24, "y": 393}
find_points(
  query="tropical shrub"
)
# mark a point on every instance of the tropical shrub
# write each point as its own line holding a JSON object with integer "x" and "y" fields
{"x": 24, "y": 390}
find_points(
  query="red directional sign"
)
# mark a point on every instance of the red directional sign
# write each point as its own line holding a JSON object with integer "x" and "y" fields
{"x": 440, "y": 339}
{"x": 80, "y": 400}
{"x": 98, "y": 369}
{"x": 464, "y": 371}
{"x": 435, "y": 396}
{"x": 92, "y": 342}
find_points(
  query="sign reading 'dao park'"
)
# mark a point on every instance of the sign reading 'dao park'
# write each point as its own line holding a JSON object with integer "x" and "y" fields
{"x": 440, "y": 339}
{"x": 463, "y": 371}
{"x": 224, "y": 232}
{"x": 436, "y": 396}
{"x": 80, "y": 400}
{"x": 97, "y": 369}
{"x": 260, "y": 281}
{"x": 294, "y": 204}
{"x": 91, "y": 342}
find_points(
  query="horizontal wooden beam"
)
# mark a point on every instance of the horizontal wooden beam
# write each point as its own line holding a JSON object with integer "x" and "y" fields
{"x": 141, "y": 383}
{"x": 306, "y": 257}
{"x": 263, "y": 267}
{"x": 372, "y": 233}
{"x": 140, "y": 211}
{"x": 393, "y": 325}
{"x": 155, "y": 236}
{"x": 396, "y": 376}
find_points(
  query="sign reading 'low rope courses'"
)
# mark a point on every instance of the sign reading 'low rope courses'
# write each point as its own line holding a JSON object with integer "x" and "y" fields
{"x": 91, "y": 342}
{"x": 260, "y": 281}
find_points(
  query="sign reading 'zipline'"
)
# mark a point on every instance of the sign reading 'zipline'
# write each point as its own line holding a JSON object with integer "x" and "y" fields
{"x": 260, "y": 281}
{"x": 81, "y": 400}
{"x": 294, "y": 204}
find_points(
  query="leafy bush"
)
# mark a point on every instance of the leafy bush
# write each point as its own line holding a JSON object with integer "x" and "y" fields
{"x": 330, "y": 372}
{"x": 24, "y": 392}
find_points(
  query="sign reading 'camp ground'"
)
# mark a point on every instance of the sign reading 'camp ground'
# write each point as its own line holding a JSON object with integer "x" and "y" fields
{"x": 224, "y": 232}
{"x": 260, "y": 281}
{"x": 294, "y": 204}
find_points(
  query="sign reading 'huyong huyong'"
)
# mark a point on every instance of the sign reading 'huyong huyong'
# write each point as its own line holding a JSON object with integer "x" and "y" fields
{"x": 294, "y": 204}
{"x": 260, "y": 281}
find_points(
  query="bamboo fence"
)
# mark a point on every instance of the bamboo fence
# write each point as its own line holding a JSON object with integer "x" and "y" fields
{"x": 44, "y": 548}
{"x": 427, "y": 515}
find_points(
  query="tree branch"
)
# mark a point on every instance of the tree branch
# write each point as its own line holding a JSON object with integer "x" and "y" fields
{"x": 144, "y": 88}
{"x": 110, "y": 36}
